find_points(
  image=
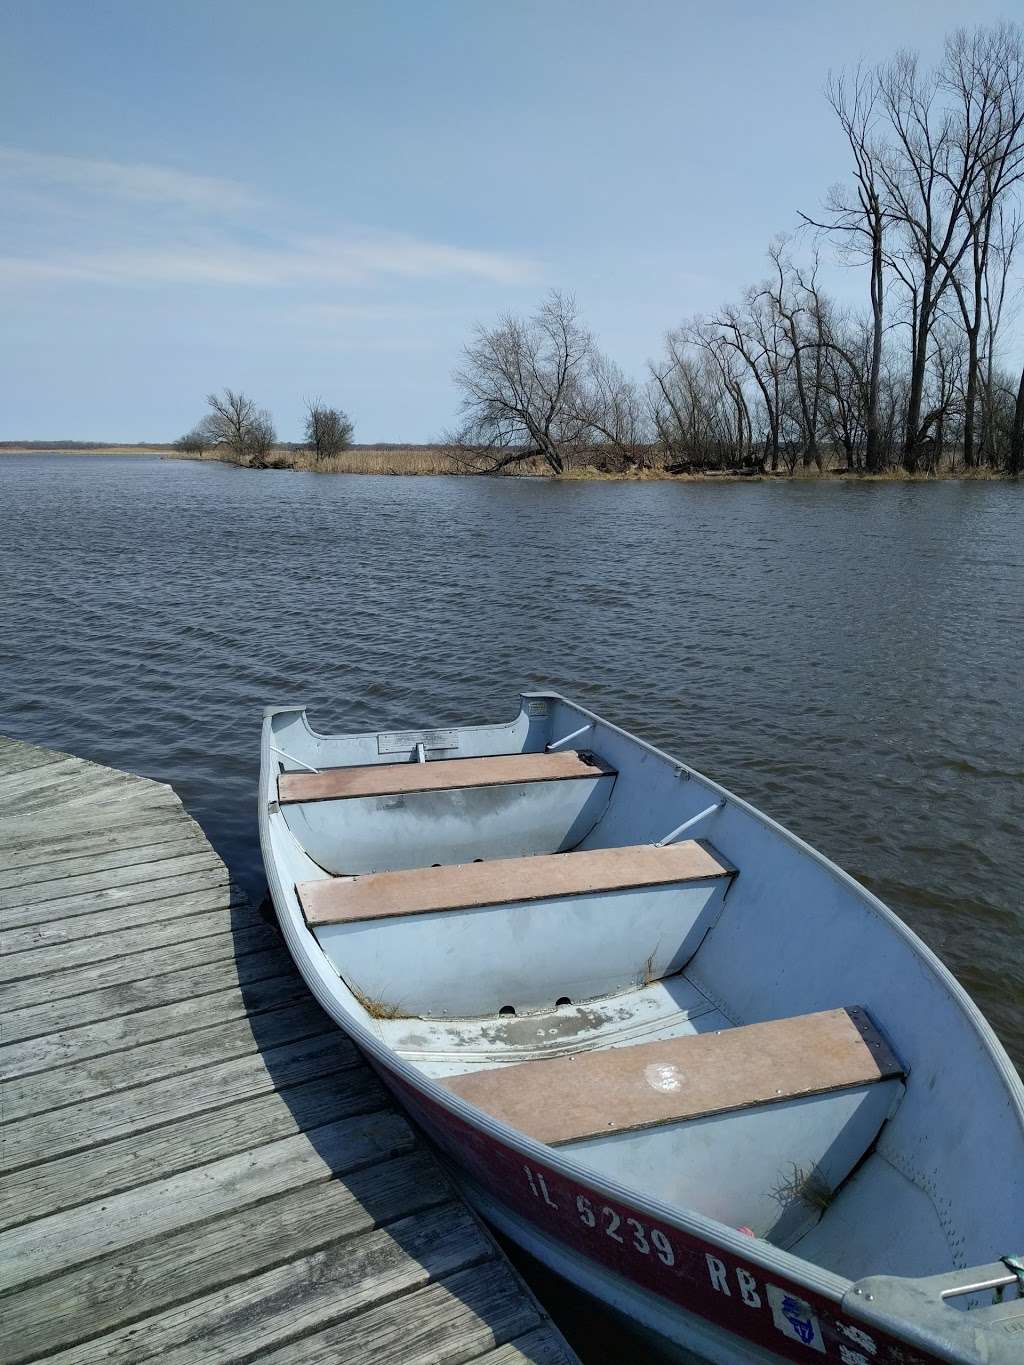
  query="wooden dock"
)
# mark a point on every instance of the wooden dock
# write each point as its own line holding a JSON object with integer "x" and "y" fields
{"x": 197, "y": 1164}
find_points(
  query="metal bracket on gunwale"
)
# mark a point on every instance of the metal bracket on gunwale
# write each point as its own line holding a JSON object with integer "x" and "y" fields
{"x": 566, "y": 738}
{"x": 688, "y": 824}
{"x": 292, "y": 759}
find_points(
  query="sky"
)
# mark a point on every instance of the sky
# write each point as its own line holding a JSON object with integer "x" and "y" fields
{"x": 322, "y": 198}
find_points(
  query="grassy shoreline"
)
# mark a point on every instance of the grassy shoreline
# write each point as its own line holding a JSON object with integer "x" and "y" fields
{"x": 411, "y": 461}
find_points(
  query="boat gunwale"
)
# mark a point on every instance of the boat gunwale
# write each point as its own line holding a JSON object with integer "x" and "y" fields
{"x": 302, "y": 942}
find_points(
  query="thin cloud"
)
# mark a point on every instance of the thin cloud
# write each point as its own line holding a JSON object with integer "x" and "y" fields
{"x": 129, "y": 180}
{"x": 190, "y": 229}
{"x": 338, "y": 260}
{"x": 397, "y": 255}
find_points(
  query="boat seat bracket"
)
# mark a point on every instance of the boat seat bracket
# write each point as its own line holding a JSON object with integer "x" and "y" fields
{"x": 566, "y": 739}
{"x": 292, "y": 759}
{"x": 674, "y": 834}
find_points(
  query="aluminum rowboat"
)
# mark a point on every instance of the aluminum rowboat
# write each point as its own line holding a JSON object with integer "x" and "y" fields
{"x": 661, "y": 1043}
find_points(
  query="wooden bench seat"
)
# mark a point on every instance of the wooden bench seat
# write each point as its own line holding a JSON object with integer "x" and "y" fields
{"x": 445, "y": 774}
{"x": 596, "y": 1094}
{"x": 504, "y": 881}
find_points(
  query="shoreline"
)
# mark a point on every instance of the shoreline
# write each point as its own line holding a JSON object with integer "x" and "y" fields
{"x": 419, "y": 461}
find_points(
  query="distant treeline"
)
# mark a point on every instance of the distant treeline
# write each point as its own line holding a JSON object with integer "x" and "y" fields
{"x": 783, "y": 377}
{"x": 84, "y": 445}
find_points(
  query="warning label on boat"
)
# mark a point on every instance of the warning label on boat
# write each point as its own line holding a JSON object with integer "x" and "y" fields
{"x": 406, "y": 741}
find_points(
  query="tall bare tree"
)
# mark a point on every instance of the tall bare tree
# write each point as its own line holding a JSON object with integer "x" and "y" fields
{"x": 955, "y": 150}
{"x": 926, "y": 192}
{"x": 859, "y": 219}
{"x": 755, "y": 334}
{"x": 983, "y": 73}
{"x": 798, "y": 304}
{"x": 1007, "y": 233}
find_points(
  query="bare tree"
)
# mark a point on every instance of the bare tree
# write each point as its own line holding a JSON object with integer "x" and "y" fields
{"x": 916, "y": 169}
{"x": 1015, "y": 460}
{"x": 260, "y": 438}
{"x": 754, "y": 333}
{"x": 860, "y": 221}
{"x": 1007, "y": 232}
{"x": 194, "y": 442}
{"x": 945, "y": 389}
{"x": 956, "y": 149}
{"x": 228, "y": 421}
{"x": 726, "y": 373}
{"x": 328, "y": 430}
{"x": 983, "y": 72}
{"x": 611, "y": 412}
{"x": 236, "y": 424}
{"x": 798, "y": 305}
{"x": 702, "y": 415}
{"x": 521, "y": 385}
{"x": 685, "y": 407}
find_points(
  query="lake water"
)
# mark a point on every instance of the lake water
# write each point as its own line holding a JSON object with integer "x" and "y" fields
{"x": 848, "y": 657}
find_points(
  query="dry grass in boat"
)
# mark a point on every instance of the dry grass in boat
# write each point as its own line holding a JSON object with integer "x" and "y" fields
{"x": 377, "y": 1007}
{"x": 647, "y": 976}
{"x": 809, "y": 1186}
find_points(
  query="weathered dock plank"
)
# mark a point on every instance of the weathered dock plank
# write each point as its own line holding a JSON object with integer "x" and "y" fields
{"x": 186, "y": 1264}
{"x": 88, "y": 902}
{"x": 121, "y": 1164}
{"x": 64, "y": 1085}
{"x": 450, "y": 1322}
{"x": 77, "y": 940}
{"x": 200, "y": 1167}
{"x": 81, "y": 855}
{"x": 183, "y": 982}
{"x": 175, "y": 1020}
{"x": 75, "y": 1127}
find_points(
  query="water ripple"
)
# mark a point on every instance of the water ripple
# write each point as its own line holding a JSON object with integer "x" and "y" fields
{"x": 849, "y": 658}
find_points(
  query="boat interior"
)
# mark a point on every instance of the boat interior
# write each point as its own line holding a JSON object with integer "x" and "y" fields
{"x": 605, "y": 951}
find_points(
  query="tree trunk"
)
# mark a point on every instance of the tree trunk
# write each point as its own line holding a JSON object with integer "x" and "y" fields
{"x": 972, "y": 326}
{"x": 920, "y": 362}
{"x": 914, "y": 401}
{"x": 1016, "y": 462}
{"x": 970, "y": 397}
{"x": 873, "y": 451}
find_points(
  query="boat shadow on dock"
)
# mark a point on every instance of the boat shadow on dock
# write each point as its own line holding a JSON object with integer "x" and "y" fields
{"x": 363, "y": 1196}
{"x": 196, "y": 1164}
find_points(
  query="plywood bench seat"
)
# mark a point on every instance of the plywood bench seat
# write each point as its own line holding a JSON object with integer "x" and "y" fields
{"x": 445, "y": 774}
{"x": 505, "y": 881}
{"x": 596, "y": 1094}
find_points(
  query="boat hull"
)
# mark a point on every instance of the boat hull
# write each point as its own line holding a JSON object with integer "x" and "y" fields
{"x": 693, "y": 1294}
{"x": 697, "y": 1284}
